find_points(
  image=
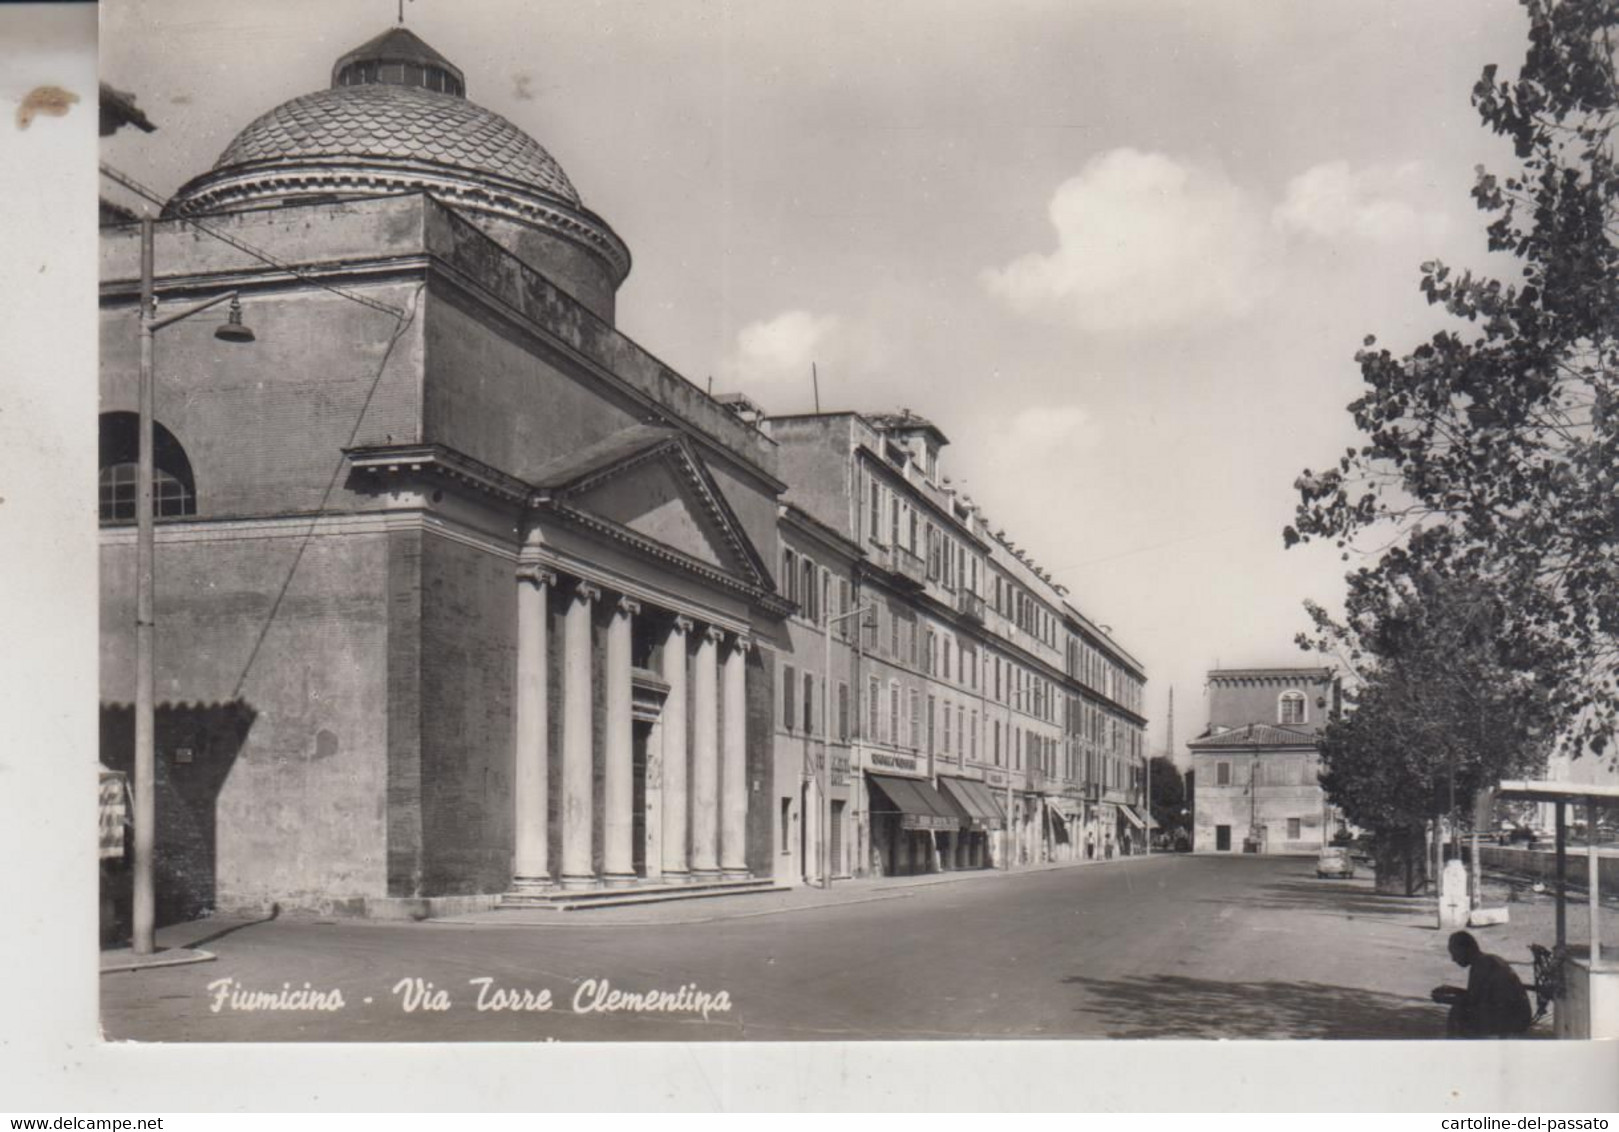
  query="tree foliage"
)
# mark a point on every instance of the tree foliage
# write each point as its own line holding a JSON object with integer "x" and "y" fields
{"x": 1447, "y": 707}
{"x": 1168, "y": 794}
{"x": 1492, "y": 450}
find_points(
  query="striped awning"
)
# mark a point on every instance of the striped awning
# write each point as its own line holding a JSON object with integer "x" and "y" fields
{"x": 975, "y": 800}
{"x": 917, "y": 803}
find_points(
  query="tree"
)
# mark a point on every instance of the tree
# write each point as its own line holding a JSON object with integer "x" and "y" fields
{"x": 1168, "y": 795}
{"x": 1442, "y": 705}
{"x": 1492, "y": 450}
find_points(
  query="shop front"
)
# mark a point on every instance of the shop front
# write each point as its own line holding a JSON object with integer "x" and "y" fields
{"x": 1132, "y": 831}
{"x": 905, "y": 815}
{"x": 981, "y": 814}
{"x": 1064, "y": 828}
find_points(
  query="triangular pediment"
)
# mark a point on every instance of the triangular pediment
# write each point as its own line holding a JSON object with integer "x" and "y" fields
{"x": 650, "y": 484}
{"x": 654, "y": 500}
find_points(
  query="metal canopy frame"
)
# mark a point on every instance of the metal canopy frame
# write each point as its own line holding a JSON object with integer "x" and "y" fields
{"x": 1562, "y": 794}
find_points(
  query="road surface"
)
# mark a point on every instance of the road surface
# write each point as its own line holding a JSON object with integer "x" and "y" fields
{"x": 1161, "y": 947}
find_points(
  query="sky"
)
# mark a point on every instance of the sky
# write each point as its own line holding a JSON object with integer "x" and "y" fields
{"x": 1122, "y": 252}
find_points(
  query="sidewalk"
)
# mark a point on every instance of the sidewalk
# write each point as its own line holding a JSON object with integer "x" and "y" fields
{"x": 125, "y": 959}
{"x": 713, "y": 909}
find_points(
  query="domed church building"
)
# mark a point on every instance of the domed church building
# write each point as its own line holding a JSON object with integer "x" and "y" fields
{"x": 462, "y": 596}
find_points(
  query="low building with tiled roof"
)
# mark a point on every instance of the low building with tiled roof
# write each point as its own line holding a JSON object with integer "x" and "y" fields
{"x": 1256, "y": 767}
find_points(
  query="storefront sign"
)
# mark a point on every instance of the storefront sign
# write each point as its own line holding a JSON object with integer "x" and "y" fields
{"x": 891, "y": 762}
{"x": 995, "y": 778}
{"x": 840, "y": 770}
{"x": 113, "y": 815}
{"x": 928, "y": 821}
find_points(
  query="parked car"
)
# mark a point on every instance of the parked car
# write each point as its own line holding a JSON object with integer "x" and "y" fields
{"x": 1335, "y": 861}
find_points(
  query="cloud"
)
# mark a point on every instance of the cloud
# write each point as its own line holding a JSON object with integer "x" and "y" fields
{"x": 1144, "y": 242}
{"x": 784, "y": 346}
{"x": 1379, "y": 203}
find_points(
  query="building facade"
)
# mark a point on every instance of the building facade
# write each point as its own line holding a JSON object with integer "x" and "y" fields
{"x": 461, "y": 593}
{"x": 991, "y": 722}
{"x": 464, "y": 599}
{"x": 1257, "y": 765}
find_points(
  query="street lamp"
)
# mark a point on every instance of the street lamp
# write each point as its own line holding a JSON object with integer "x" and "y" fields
{"x": 823, "y": 848}
{"x": 144, "y": 925}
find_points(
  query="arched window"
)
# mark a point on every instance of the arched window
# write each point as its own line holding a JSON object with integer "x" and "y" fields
{"x": 1290, "y": 707}
{"x": 174, "y": 490}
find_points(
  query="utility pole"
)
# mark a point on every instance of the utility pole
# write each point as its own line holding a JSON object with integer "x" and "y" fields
{"x": 143, "y": 915}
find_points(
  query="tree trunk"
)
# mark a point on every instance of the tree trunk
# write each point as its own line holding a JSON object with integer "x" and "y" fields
{"x": 1401, "y": 861}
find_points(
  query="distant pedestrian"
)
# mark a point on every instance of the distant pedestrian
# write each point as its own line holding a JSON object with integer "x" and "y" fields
{"x": 1494, "y": 1003}
{"x": 1090, "y": 844}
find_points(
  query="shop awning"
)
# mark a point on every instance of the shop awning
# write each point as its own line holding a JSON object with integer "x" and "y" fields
{"x": 975, "y": 799}
{"x": 918, "y": 804}
{"x": 1134, "y": 818}
{"x": 1065, "y": 808}
{"x": 988, "y": 797}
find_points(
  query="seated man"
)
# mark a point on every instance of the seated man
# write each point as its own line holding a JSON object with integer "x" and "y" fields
{"x": 1494, "y": 1002}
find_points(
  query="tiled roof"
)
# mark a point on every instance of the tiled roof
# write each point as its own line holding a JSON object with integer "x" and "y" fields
{"x": 399, "y": 122}
{"x": 1311, "y": 673}
{"x": 1257, "y": 735}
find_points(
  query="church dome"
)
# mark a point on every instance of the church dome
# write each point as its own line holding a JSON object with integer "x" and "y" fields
{"x": 399, "y": 124}
{"x": 396, "y": 119}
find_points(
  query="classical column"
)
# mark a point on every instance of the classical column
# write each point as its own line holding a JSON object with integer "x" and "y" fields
{"x": 705, "y": 768}
{"x": 734, "y": 769}
{"x": 577, "y": 870}
{"x": 531, "y": 864}
{"x": 676, "y": 804}
{"x": 618, "y": 785}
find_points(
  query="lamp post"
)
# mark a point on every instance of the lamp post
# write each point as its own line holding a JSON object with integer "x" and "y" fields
{"x": 145, "y": 816}
{"x": 823, "y": 849}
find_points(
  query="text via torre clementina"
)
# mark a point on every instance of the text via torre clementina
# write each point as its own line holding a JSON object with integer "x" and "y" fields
{"x": 412, "y": 995}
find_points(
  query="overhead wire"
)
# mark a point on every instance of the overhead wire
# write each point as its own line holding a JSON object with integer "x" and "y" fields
{"x": 402, "y": 323}
{"x": 242, "y": 245}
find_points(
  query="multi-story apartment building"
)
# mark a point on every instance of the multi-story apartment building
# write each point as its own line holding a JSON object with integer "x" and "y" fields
{"x": 815, "y": 683}
{"x": 992, "y": 722}
{"x": 1257, "y": 765}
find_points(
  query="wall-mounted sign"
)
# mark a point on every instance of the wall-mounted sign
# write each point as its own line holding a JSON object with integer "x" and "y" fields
{"x": 891, "y": 762}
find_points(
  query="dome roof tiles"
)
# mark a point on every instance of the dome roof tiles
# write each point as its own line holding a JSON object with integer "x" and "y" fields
{"x": 399, "y": 123}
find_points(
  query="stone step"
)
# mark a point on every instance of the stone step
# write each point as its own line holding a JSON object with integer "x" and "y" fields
{"x": 580, "y": 901}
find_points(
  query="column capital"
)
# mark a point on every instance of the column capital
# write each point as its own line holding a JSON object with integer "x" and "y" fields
{"x": 584, "y": 591}
{"x": 714, "y": 634}
{"x": 681, "y": 625}
{"x": 741, "y": 642}
{"x": 538, "y": 576}
{"x": 627, "y": 606}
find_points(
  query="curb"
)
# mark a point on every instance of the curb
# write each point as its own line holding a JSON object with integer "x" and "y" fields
{"x": 887, "y": 892}
{"x": 169, "y": 957}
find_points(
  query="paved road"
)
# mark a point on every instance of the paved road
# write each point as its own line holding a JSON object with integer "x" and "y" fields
{"x": 1158, "y": 947}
